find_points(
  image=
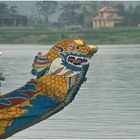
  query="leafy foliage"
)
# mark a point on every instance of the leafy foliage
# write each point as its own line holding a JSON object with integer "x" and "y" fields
{"x": 5, "y": 10}
{"x": 45, "y": 10}
{"x": 70, "y": 13}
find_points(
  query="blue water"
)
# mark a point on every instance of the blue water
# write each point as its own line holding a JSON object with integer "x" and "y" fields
{"x": 108, "y": 104}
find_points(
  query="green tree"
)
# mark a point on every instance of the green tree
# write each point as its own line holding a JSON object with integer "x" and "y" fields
{"x": 4, "y": 9}
{"x": 121, "y": 9}
{"x": 88, "y": 11}
{"x": 129, "y": 15}
{"x": 71, "y": 13}
{"x": 46, "y": 9}
{"x": 106, "y": 3}
{"x": 136, "y": 13}
{"x": 13, "y": 10}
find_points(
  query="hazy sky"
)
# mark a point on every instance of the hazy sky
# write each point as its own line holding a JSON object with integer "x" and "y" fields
{"x": 24, "y": 7}
{"x": 28, "y": 7}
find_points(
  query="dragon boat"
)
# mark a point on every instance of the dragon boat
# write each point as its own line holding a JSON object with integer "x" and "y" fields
{"x": 59, "y": 76}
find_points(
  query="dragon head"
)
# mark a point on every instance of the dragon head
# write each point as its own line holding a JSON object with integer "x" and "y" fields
{"x": 71, "y": 54}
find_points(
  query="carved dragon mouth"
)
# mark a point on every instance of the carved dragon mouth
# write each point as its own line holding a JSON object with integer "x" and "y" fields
{"x": 77, "y": 61}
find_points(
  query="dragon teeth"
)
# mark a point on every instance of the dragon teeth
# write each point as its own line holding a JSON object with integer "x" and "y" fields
{"x": 76, "y": 58}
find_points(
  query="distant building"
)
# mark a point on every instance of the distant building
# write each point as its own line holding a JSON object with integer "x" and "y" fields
{"x": 15, "y": 20}
{"x": 107, "y": 18}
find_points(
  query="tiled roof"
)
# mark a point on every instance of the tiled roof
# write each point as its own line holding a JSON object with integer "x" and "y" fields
{"x": 108, "y": 9}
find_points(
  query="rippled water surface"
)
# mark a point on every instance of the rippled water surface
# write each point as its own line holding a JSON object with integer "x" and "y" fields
{"x": 108, "y": 104}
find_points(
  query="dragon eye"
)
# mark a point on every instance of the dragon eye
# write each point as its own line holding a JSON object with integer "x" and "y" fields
{"x": 59, "y": 48}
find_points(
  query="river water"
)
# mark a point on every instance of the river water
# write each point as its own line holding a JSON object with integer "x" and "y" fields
{"x": 108, "y": 104}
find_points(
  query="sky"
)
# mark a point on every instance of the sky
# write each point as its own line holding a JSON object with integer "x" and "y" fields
{"x": 28, "y": 7}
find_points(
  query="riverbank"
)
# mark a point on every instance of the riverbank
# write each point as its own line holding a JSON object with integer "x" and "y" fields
{"x": 38, "y": 35}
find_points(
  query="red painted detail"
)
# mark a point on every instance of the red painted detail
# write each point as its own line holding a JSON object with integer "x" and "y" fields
{"x": 42, "y": 63}
{"x": 16, "y": 100}
{"x": 29, "y": 93}
{"x": 4, "y": 106}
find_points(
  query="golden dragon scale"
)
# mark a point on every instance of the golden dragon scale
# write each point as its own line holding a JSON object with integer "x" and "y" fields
{"x": 59, "y": 75}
